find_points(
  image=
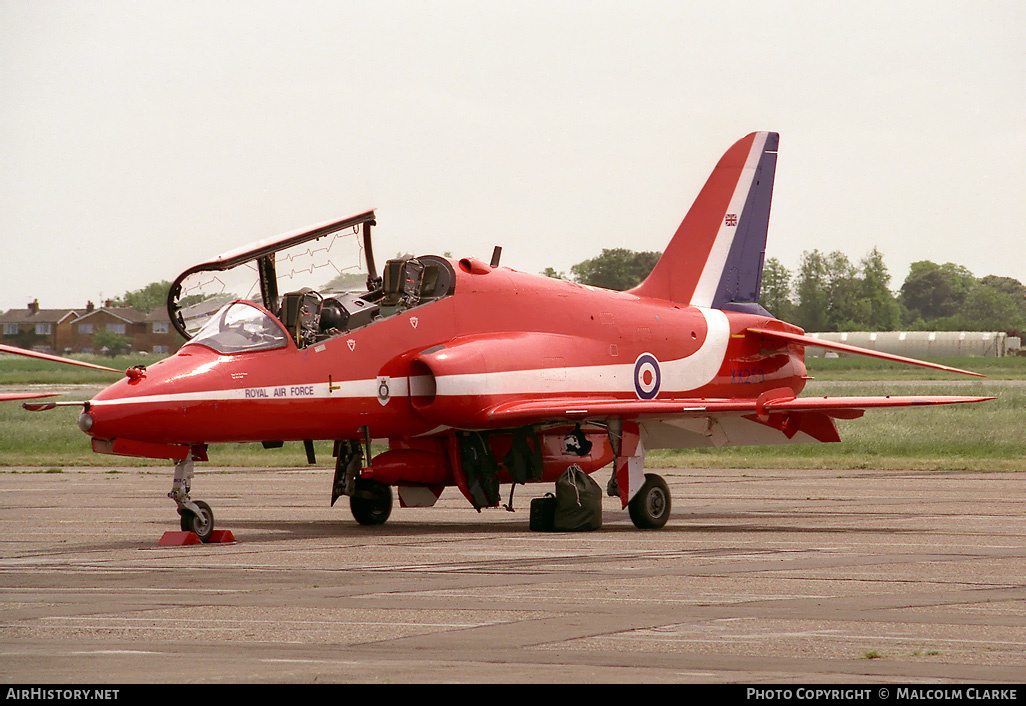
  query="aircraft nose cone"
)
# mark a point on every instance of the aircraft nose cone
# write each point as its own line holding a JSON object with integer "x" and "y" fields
{"x": 155, "y": 404}
{"x": 85, "y": 421}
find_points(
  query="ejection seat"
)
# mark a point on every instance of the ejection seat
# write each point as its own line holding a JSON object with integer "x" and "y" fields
{"x": 300, "y": 312}
{"x": 392, "y": 282}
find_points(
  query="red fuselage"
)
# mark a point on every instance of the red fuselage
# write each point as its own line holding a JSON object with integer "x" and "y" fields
{"x": 502, "y": 335}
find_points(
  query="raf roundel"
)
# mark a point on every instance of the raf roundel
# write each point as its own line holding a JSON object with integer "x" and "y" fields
{"x": 647, "y": 376}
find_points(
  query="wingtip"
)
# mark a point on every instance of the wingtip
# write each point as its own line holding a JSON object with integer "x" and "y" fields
{"x": 961, "y": 372}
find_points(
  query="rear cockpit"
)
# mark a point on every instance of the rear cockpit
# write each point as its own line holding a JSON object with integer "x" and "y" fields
{"x": 311, "y": 317}
{"x": 329, "y": 281}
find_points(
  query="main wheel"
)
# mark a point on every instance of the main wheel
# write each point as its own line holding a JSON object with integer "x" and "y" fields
{"x": 371, "y": 504}
{"x": 202, "y": 524}
{"x": 650, "y": 508}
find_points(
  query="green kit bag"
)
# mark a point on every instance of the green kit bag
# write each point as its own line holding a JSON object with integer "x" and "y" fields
{"x": 578, "y": 502}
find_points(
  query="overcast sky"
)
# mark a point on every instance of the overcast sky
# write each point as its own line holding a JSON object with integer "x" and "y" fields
{"x": 139, "y": 138}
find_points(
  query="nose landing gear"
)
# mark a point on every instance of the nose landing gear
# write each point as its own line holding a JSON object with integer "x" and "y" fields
{"x": 197, "y": 517}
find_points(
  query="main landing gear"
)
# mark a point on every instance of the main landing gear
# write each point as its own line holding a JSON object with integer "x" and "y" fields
{"x": 197, "y": 517}
{"x": 650, "y": 507}
{"x": 371, "y": 504}
{"x": 370, "y": 501}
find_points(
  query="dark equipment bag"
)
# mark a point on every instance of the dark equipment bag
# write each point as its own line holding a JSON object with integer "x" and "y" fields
{"x": 543, "y": 513}
{"x": 578, "y": 502}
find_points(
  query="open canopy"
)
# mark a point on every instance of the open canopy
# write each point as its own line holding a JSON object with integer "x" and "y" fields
{"x": 330, "y": 257}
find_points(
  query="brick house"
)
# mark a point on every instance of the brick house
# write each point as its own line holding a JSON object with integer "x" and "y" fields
{"x": 66, "y": 331}
{"x": 37, "y": 329}
{"x": 149, "y": 333}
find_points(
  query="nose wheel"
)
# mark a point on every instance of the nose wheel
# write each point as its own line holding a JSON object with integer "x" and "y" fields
{"x": 197, "y": 517}
{"x": 199, "y": 521}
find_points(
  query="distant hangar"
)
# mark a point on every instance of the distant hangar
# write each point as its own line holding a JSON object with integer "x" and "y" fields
{"x": 930, "y": 344}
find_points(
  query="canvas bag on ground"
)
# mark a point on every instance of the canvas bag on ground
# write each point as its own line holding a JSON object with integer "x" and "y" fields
{"x": 578, "y": 502}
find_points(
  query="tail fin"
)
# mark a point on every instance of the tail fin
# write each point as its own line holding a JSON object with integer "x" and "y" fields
{"x": 715, "y": 258}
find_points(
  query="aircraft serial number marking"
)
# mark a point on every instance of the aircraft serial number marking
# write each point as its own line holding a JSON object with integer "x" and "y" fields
{"x": 747, "y": 376}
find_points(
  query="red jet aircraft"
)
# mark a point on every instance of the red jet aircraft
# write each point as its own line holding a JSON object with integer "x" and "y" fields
{"x": 479, "y": 375}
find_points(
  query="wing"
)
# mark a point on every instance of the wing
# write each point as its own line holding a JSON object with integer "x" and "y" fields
{"x": 12, "y": 396}
{"x": 53, "y": 359}
{"x": 43, "y": 406}
{"x": 775, "y": 402}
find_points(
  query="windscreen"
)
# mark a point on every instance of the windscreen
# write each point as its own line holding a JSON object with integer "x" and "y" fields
{"x": 241, "y": 327}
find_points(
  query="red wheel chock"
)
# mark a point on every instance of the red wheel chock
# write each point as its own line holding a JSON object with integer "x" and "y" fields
{"x": 181, "y": 539}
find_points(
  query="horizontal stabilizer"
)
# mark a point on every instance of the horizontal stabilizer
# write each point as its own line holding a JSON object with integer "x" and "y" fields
{"x": 854, "y": 350}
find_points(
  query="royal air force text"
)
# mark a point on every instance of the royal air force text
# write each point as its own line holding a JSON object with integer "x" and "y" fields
{"x": 279, "y": 392}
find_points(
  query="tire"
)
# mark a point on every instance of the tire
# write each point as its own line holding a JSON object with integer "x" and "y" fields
{"x": 371, "y": 504}
{"x": 201, "y": 525}
{"x": 650, "y": 508}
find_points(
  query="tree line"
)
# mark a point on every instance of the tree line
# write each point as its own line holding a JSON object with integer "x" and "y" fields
{"x": 829, "y": 292}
